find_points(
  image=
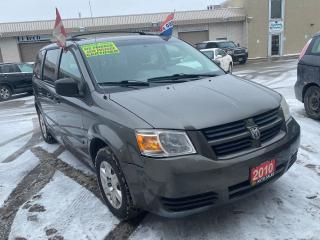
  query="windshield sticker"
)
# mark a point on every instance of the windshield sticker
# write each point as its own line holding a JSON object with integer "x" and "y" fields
{"x": 99, "y": 49}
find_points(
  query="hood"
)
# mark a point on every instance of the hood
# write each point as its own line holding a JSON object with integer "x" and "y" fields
{"x": 199, "y": 104}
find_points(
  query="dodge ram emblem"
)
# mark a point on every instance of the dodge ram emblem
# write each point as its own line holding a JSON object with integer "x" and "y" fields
{"x": 255, "y": 133}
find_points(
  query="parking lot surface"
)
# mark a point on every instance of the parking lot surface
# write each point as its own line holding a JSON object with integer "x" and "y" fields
{"x": 47, "y": 193}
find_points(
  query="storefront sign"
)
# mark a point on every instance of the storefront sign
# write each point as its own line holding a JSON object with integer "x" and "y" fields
{"x": 276, "y": 26}
{"x": 33, "y": 38}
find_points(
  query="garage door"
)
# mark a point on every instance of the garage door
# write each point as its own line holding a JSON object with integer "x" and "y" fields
{"x": 28, "y": 51}
{"x": 1, "y": 59}
{"x": 194, "y": 37}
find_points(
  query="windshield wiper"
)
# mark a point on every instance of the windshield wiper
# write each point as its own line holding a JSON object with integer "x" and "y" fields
{"x": 182, "y": 76}
{"x": 125, "y": 83}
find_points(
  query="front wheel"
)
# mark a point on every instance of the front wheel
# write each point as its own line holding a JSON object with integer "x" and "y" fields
{"x": 113, "y": 186}
{"x": 46, "y": 135}
{"x": 312, "y": 102}
{"x": 243, "y": 61}
{"x": 5, "y": 93}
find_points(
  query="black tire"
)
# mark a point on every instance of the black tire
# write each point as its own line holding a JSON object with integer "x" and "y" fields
{"x": 312, "y": 102}
{"x": 126, "y": 210}
{"x": 5, "y": 93}
{"x": 243, "y": 62}
{"x": 46, "y": 135}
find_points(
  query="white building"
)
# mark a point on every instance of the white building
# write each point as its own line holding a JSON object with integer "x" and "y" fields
{"x": 21, "y": 40}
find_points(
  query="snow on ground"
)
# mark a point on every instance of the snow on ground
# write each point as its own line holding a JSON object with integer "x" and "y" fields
{"x": 16, "y": 125}
{"x": 17, "y": 111}
{"x": 12, "y": 173}
{"x": 11, "y": 147}
{"x": 50, "y": 148}
{"x": 287, "y": 209}
{"x": 13, "y": 121}
{"x": 10, "y": 130}
{"x": 71, "y": 160}
{"x": 63, "y": 208}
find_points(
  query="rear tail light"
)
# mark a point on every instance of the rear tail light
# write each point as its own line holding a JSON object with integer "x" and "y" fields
{"x": 303, "y": 51}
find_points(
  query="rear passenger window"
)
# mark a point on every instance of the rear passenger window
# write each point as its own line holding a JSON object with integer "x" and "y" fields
{"x": 25, "y": 68}
{"x": 316, "y": 46}
{"x": 50, "y": 64}
{"x": 10, "y": 68}
{"x": 69, "y": 67}
{"x": 37, "y": 65}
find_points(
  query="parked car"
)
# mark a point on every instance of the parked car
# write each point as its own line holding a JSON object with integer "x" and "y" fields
{"x": 220, "y": 57}
{"x": 307, "y": 87}
{"x": 165, "y": 129}
{"x": 238, "y": 54}
{"x": 15, "y": 78}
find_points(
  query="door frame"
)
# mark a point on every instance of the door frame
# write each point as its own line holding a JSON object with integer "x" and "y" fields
{"x": 280, "y": 44}
{"x": 282, "y": 36}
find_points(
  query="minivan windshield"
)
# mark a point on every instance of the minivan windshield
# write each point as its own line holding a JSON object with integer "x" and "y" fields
{"x": 143, "y": 59}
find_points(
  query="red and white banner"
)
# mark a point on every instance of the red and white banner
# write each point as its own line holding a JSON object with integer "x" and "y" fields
{"x": 59, "y": 33}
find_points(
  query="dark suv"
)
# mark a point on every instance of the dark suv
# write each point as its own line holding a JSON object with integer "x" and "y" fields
{"x": 307, "y": 87}
{"x": 165, "y": 129}
{"x": 15, "y": 78}
{"x": 238, "y": 54}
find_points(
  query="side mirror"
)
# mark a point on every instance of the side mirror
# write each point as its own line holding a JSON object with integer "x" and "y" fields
{"x": 67, "y": 87}
{"x": 238, "y": 44}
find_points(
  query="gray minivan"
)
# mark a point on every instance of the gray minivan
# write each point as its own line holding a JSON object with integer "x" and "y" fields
{"x": 165, "y": 129}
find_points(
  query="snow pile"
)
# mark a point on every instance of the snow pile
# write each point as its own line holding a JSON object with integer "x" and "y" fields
{"x": 12, "y": 173}
{"x": 71, "y": 160}
{"x": 50, "y": 148}
{"x": 63, "y": 209}
{"x": 12, "y": 147}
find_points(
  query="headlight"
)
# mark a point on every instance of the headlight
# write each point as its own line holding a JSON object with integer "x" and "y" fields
{"x": 158, "y": 143}
{"x": 230, "y": 52}
{"x": 285, "y": 109}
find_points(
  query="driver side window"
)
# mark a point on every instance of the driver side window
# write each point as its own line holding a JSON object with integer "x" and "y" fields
{"x": 69, "y": 67}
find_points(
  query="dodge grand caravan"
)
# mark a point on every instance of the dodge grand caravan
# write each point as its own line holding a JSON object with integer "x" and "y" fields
{"x": 166, "y": 130}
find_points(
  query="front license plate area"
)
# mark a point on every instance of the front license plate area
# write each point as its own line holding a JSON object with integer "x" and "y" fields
{"x": 240, "y": 59}
{"x": 263, "y": 172}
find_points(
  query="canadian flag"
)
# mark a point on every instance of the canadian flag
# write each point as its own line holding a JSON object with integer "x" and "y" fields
{"x": 59, "y": 33}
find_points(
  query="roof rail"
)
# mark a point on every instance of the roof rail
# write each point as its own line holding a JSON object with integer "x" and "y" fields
{"x": 76, "y": 36}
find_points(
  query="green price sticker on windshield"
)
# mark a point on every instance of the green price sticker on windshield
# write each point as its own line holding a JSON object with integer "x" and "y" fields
{"x": 99, "y": 49}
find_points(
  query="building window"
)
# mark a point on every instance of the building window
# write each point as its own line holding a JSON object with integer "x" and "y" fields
{"x": 276, "y": 9}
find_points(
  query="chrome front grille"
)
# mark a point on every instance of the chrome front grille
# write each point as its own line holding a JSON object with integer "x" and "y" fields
{"x": 239, "y": 51}
{"x": 235, "y": 137}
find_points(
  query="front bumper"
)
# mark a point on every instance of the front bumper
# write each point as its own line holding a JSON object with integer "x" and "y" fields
{"x": 240, "y": 57}
{"x": 180, "y": 186}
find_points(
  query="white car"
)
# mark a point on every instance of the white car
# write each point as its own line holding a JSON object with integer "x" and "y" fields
{"x": 220, "y": 57}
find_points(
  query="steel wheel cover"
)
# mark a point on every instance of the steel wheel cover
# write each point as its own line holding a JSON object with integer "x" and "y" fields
{"x": 111, "y": 185}
{"x": 4, "y": 93}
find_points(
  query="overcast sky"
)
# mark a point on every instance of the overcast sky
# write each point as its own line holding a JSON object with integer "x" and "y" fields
{"x": 28, "y": 10}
